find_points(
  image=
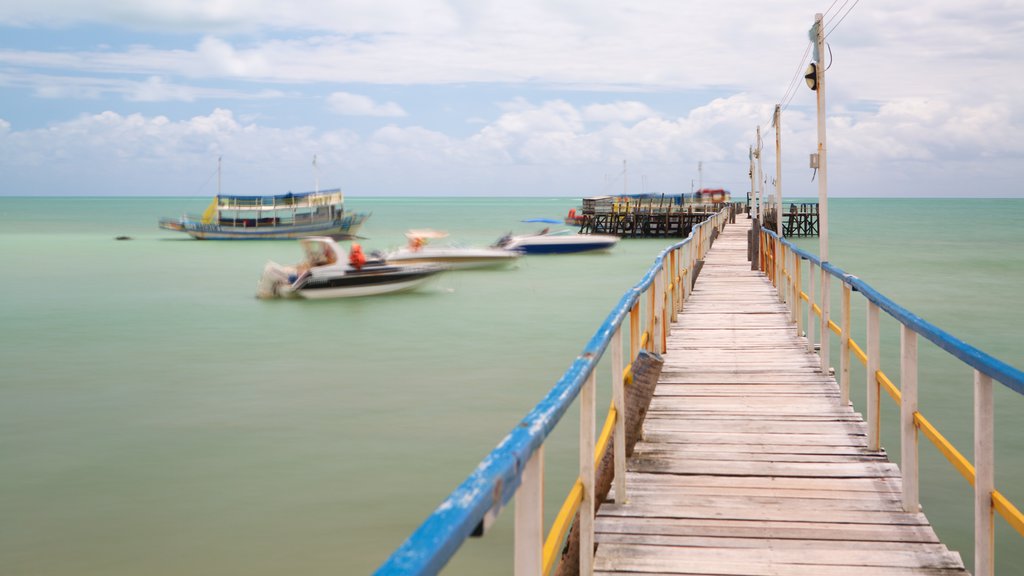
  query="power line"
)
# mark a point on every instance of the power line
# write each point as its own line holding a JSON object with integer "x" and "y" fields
{"x": 840, "y": 9}
{"x": 795, "y": 81}
{"x": 852, "y": 6}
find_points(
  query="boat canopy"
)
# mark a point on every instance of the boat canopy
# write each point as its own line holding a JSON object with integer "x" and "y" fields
{"x": 288, "y": 196}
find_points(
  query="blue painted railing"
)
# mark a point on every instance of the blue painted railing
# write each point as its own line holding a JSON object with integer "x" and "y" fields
{"x": 474, "y": 504}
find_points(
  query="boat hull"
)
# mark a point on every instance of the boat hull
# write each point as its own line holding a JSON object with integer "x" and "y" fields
{"x": 561, "y": 244}
{"x": 385, "y": 280}
{"x": 456, "y": 259}
{"x": 342, "y": 228}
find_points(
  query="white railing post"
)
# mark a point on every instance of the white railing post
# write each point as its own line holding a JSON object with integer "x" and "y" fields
{"x": 619, "y": 398}
{"x": 673, "y": 267}
{"x": 826, "y": 331}
{"x": 780, "y": 278}
{"x": 587, "y": 416}
{"x": 873, "y": 393}
{"x": 667, "y": 304}
{"x": 844, "y": 350}
{"x": 984, "y": 480}
{"x": 797, "y": 311}
{"x": 529, "y": 518}
{"x": 810, "y": 306}
{"x": 908, "y": 431}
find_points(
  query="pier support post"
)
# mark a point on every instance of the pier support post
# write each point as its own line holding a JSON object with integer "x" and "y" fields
{"x": 755, "y": 246}
{"x": 908, "y": 429}
{"x": 984, "y": 481}
{"x": 844, "y": 350}
{"x": 529, "y": 518}
{"x": 873, "y": 393}
{"x": 587, "y": 419}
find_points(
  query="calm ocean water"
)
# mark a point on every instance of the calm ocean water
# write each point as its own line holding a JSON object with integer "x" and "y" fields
{"x": 155, "y": 418}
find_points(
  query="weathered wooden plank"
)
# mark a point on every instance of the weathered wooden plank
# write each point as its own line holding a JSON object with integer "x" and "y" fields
{"x": 770, "y": 562}
{"x": 710, "y": 527}
{"x": 870, "y": 485}
{"x": 774, "y": 543}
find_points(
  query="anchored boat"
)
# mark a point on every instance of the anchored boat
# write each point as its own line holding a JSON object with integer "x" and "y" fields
{"x": 291, "y": 215}
{"x": 322, "y": 274}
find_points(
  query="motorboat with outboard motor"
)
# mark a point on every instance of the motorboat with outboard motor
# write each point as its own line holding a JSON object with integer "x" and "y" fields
{"x": 322, "y": 274}
{"x": 559, "y": 242}
{"x": 419, "y": 251}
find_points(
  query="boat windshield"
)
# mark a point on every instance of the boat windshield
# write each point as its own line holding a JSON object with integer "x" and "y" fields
{"x": 319, "y": 252}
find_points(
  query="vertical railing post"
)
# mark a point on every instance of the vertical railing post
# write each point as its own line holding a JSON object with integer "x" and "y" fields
{"x": 634, "y": 330}
{"x": 690, "y": 274}
{"x": 908, "y": 429}
{"x": 785, "y": 276}
{"x": 810, "y": 306}
{"x": 587, "y": 417}
{"x": 652, "y": 314}
{"x": 873, "y": 364}
{"x": 529, "y": 518}
{"x": 797, "y": 310}
{"x": 779, "y": 269}
{"x": 826, "y": 330}
{"x": 619, "y": 398}
{"x": 663, "y": 309}
{"x": 673, "y": 267}
{"x": 984, "y": 480}
{"x": 844, "y": 350}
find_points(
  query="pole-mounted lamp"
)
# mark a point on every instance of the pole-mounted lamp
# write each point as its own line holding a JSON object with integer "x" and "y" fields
{"x": 811, "y": 76}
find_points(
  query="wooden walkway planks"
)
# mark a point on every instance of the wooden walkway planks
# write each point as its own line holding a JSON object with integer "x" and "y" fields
{"x": 748, "y": 465}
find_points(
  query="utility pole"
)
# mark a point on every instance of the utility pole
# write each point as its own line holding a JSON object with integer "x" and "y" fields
{"x": 778, "y": 169}
{"x": 819, "y": 88}
{"x": 753, "y": 193}
{"x": 760, "y": 178}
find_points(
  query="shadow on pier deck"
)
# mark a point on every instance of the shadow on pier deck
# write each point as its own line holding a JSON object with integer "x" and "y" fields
{"x": 749, "y": 464}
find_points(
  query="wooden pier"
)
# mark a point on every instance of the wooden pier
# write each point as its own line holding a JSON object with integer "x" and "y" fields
{"x": 642, "y": 217}
{"x": 799, "y": 219}
{"x": 749, "y": 464}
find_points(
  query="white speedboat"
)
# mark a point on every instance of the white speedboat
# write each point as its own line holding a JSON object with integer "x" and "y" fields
{"x": 324, "y": 275}
{"x": 560, "y": 242}
{"x": 418, "y": 251}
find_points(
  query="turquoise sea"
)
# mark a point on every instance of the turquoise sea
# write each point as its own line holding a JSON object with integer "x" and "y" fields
{"x": 155, "y": 418}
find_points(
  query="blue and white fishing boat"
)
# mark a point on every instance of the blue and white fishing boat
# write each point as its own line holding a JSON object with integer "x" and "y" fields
{"x": 291, "y": 215}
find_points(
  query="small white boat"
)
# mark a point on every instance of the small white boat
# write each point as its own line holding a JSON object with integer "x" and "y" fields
{"x": 560, "y": 242}
{"x": 324, "y": 275}
{"x": 418, "y": 251}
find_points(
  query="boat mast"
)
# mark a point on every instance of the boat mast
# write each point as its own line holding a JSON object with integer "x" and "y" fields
{"x": 219, "y": 158}
{"x": 316, "y": 176}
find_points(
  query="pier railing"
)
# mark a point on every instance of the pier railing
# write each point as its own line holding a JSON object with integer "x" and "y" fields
{"x": 515, "y": 467}
{"x": 783, "y": 263}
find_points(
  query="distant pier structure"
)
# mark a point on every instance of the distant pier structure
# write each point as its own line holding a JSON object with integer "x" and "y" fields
{"x": 799, "y": 219}
{"x": 647, "y": 215}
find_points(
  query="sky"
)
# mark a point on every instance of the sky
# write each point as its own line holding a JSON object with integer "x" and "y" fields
{"x": 506, "y": 98}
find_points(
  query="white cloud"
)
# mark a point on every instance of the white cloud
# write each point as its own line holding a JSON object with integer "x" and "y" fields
{"x": 617, "y": 112}
{"x": 358, "y": 105}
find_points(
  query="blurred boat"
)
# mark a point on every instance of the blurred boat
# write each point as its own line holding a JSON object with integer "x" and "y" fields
{"x": 291, "y": 215}
{"x": 322, "y": 274}
{"x": 419, "y": 251}
{"x": 559, "y": 242}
